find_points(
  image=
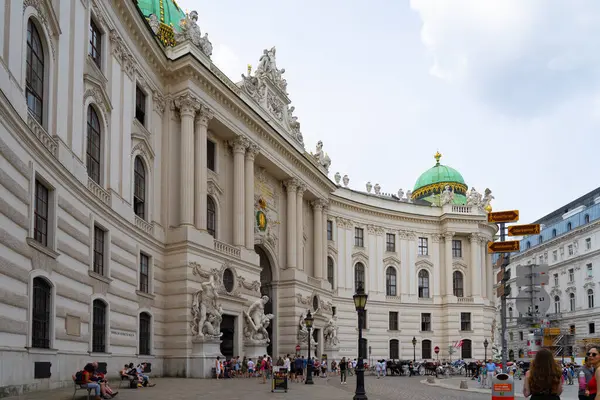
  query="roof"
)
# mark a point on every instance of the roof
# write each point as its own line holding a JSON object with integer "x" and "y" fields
{"x": 556, "y": 215}
{"x": 167, "y": 11}
{"x": 433, "y": 181}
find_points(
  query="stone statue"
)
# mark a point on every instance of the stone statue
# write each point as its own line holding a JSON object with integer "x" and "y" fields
{"x": 293, "y": 120}
{"x": 303, "y": 331}
{"x": 206, "y": 314}
{"x": 322, "y": 157}
{"x": 496, "y": 353}
{"x": 254, "y": 87}
{"x": 474, "y": 198}
{"x": 337, "y": 178}
{"x": 346, "y": 180}
{"x": 447, "y": 196}
{"x": 255, "y": 329}
{"x": 487, "y": 199}
{"x": 205, "y": 45}
{"x": 191, "y": 31}
{"x": 409, "y": 196}
{"x": 377, "y": 189}
{"x": 369, "y": 186}
{"x": 154, "y": 23}
{"x": 400, "y": 193}
{"x": 266, "y": 63}
{"x": 330, "y": 332}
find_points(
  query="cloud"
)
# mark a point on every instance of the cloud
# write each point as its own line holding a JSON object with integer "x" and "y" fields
{"x": 228, "y": 62}
{"x": 524, "y": 58}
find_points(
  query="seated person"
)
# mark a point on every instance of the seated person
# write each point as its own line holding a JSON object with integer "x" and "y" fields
{"x": 91, "y": 380}
{"x": 140, "y": 373}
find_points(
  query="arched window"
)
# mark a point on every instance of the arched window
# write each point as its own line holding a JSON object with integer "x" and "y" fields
{"x": 590, "y": 294}
{"x": 586, "y": 218}
{"x": 572, "y": 301}
{"x": 521, "y": 353}
{"x": 423, "y": 284}
{"x": 390, "y": 281}
{"x": 94, "y": 145}
{"x": 510, "y": 312}
{"x": 569, "y": 226}
{"x": 99, "y": 327}
{"x": 330, "y": 270}
{"x": 466, "y": 351}
{"x": 139, "y": 190}
{"x": 426, "y": 349}
{"x": 34, "y": 73}
{"x": 458, "y": 284}
{"x": 394, "y": 349}
{"x": 553, "y": 232}
{"x": 359, "y": 275}
{"x": 511, "y": 355}
{"x": 211, "y": 216}
{"x": 144, "y": 335}
{"x": 40, "y": 313}
{"x": 556, "y": 304}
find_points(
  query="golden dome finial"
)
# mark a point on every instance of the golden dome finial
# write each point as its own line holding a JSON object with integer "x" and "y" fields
{"x": 437, "y": 157}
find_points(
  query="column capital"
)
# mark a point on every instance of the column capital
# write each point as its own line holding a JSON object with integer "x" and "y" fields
{"x": 239, "y": 144}
{"x": 318, "y": 204}
{"x": 252, "y": 151}
{"x": 301, "y": 189}
{"x": 448, "y": 235}
{"x": 474, "y": 237}
{"x": 204, "y": 115}
{"x": 291, "y": 184}
{"x": 187, "y": 104}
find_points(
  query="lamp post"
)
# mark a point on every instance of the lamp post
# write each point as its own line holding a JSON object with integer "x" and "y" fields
{"x": 308, "y": 321}
{"x": 360, "y": 301}
{"x": 485, "y": 345}
{"x": 414, "y": 342}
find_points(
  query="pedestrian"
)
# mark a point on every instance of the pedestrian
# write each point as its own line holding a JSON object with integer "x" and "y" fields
{"x": 543, "y": 380}
{"x": 490, "y": 372}
{"x": 593, "y": 356}
{"x": 343, "y": 368}
{"x": 218, "y": 367}
{"x": 586, "y": 373}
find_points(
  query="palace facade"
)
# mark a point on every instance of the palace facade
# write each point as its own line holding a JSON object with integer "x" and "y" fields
{"x": 132, "y": 171}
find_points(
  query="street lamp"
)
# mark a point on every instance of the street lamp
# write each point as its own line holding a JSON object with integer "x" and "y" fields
{"x": 308, "y": 321}
{"x": 485, "y": 345}
{"x": 414, "y": 342}
{"x": 360, "y": 301}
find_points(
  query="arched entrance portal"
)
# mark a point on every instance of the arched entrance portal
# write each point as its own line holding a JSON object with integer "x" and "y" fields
{"x": 266, "y": 289}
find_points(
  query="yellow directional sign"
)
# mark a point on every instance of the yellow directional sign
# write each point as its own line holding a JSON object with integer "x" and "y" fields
{"x": 503, "y": 216}
{"x": 520, "y": 230}
{"x": 503, "y": 247}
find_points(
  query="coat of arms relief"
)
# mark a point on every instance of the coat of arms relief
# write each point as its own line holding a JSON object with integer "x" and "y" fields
{"x": 267, "y": 194}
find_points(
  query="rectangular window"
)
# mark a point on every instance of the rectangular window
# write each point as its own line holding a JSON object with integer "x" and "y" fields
{"x": 592, "y": 327}
{"x": 521, "y": 335}
{"x": 41, "y": 213}
{"x": 571, "y": 275}
{"x": 588, "y": 243}
{"x": 425, "y": 322}
{"x": 95, "y": 47}
{"x": 465, "y": 321}
{"x": 140, "y": 105}
{"x": 211, "y": 155}
{"x": 570, "y": 248}
{"x": 423, "y": 247}
{"x": 590, "y": 270}
{"x": 99, "y": 250}
{"x": 144, "y": 273}
{"x": 555, "y": 279}
{"x": 390, "y": 242}
{"x": 457, "y": 248}
{"x": 359, "y": 237}
{"x": 329, "y": 230}
{"x": 393, "y": 323}
{"x": 554, "y": 255}
{"x": 511, "y": 336}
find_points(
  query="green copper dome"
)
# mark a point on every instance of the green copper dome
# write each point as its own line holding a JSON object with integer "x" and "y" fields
{"x": 433, "y": 181}
{"x": 167, "y": 11}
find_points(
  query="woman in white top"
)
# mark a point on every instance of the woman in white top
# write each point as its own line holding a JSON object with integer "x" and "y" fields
{"x": 218, "y": 366}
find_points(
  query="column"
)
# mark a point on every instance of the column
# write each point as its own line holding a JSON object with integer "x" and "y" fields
{"x": 249, "y": 193}
{"x": 403, "y": 276}
{"x": 437, "y": 261}
{"x": 448, "y": 263}
{"x": 291, "y": 186}
{"x": 318, "y": 238}
{"x": 201, "y": 173}
{"x": 412, "y": 268}
{"x": 187, "y": 105}
{"x": 239, "y": 148}
{"x": 491, "y": 277}
{"x": 484, "y": 270}
{"x": 300, "y": 226}
{"x": 324, "y": 241}
{"x": 475, "y": 266}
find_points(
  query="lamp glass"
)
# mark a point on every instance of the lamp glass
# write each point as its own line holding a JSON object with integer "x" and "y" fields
{"x": 414, "y": 341}
{"x": 360, "y": 298}
{"x": 309, "y": 320}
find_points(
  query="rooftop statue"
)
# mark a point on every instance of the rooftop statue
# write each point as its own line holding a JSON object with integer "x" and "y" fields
{"x": 346, "y": 180}
{"x": 447, "y": 196}
{"x": 487, "y": 200}
{"x": 322, "y": 157}
{"x": 189, "y": 30}
{"x": 474, "y": 198}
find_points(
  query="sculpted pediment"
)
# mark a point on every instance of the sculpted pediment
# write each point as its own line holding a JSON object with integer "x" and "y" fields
{"x": 391, "y": 260}
{"x": 459, "y": 264}
{"x": 143, "y": 147}
{"x": 556, "y": 292}
{"x": 424, "y": 263}
{"x": 360, "y": 256}
{"x": 331, "y": 250}
{"x": 94, "y": 88}
{"x": 589, "y": 285}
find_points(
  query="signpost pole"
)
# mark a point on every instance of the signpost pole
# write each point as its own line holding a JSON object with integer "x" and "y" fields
{"x": 503, "y": 300}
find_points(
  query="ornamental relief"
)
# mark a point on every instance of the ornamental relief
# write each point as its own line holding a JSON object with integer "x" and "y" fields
{"x": 571, "y": 289}
{"x": 267, "y": 195}
{"x": 556, "y": 292}
{"x": 589, "y": 285}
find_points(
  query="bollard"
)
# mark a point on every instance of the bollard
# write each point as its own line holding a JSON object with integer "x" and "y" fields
{"x": 430, "y": 379}
{"x": 463, "y": 384}
{"x": 503, "y": 387}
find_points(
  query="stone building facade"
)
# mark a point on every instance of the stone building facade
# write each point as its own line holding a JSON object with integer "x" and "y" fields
{"x": 134, "y": 172}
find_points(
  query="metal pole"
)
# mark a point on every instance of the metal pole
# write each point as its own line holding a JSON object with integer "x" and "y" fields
{"x": 414, "y": 353}
{"x": 503, "y": 301}
{"x": 309, "y": 379}
{"x": 360, "y": 393}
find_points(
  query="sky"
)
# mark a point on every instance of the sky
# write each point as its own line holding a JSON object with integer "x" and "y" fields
{"x": 508, "y": 91}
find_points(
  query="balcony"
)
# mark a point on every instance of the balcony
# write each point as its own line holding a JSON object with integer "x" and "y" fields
{"x": 465, "y": 300}
{"x": 98, "y": 191}
{"x": 42, "y": 135}
{"x": 458, "y": 209}
{"x": 144, "y": 225}
{"x": 227, "y": 249}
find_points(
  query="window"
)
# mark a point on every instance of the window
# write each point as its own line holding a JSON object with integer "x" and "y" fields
{"x": 423, "y": 284}
{"x": 95, "y": 47}
{"x": 555, "y": 255}
{"x": 329, "y": 230}
{"x": 211, "y": 216}
{"x": 572, "y": 329}
{"x": 426, "y": 322}
{"x": 228, "y": 280}
{"x": 466, "y": 349}
{"x": 330, "y": 270}
{"x": 572, "y": 301}
{"x": 511, "y": 355}
{"x": 586, "y": 219}
{"x": 99, "y": 327}
{"x": 510, "y": 336}
{"x": 423, "y": 250}
{"x": 393, "y": 321}
{"x": 34, "y": 73}
{"x": 144, "y": 336}
{"x": 41, "y": 213}
{"x": 99, "y": 250}
{"x": 139, "y": 188}
{"x": 541, "y": 259}
{"x": 390, "y": 242}
{"x": 569, "y": 226}
{"x": 588, "y": 243}
{"x": 556, "y": 305}
{"x": 521, "y": 335}
{"x": 521, "y": 353}
{"x": 359, "y": 275}
{"x": 94, "y": 145}
{"x": 211, "y": 153}
{"x": 590, "y": 294}
{"x": 390, "y": 281}
{"x": 590, "y": 270}
{"x": 144, "y": 273}
{"x": 457, "y": 248}
{"x": 457, "y": 284}
{"x": 555, "y": 279}
{"x": 510, "y": 313}
{"x": 140, "y": 105}
{"x": 553, "y": 232}
{"x": 40, "y": 314}
{"x": 570, "y": 249}
{"x": 359, "y": 237}
{"x": 426, "y": 349}
{"x": 571, "y": 275}
{"x": 394, "y": 349}
{"x": 465, "y": 321}
{"x": 592, "y": 327}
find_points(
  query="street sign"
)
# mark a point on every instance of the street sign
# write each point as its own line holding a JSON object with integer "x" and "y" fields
{"x": 436, "y": 349}
{"x": 520, "y": 230}
{"x": 533, "y": 301}
{"x": 504, "y": 247}
{"x": 503, "y": 216}
{"x": 533, "y": 275}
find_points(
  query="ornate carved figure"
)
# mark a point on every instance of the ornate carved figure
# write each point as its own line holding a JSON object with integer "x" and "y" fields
{"x": 409, "y": 196}
{"x": 369, "y": 186}
{"x": 322, "y": 157}
{"x": 337, "y": 178}
{"x": 474, "y": 198}
{"x": 377, "y": 188}
{"x": 154, "y": 23}
{"x": 191, "y": 31}
{"x": 255, "y": 329}
{"x": 346, "y": 180}
{"x": 303, "y": 331}
{"x": 447, "y": 196}
{"x": 487, "y": 199}
{"x": 206, "y": 314}
{"x": 400, "y": 194}
{"x": 330, "y": 332}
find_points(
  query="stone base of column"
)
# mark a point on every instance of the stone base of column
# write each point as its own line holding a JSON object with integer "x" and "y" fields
{"x": 203, "y": 357}
{"x": 254, "y": 351}
{"x": 189, "y": 233}
{"x": 333, "y": 354}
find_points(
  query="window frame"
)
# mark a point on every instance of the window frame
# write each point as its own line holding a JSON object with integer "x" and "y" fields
{"x": 465, "y": 322}
{"x": 394, "y": 352}
{"x": 99, "y": 327}
{"x": 423, "y": 284}
{"x": 146, "y": 349}
{"x": 41, "y": 338}
{"x": 458, "y": 290}
{"x": 34, "y": 88}
{"x": 329, "y": 230}
{"x": 591, "y": 328}
{"x": 390, "y": 242}
{"x": 423, "y": 246}
{"x": 211, "y": 216}
{"x": 144, "y": 278}
{"x": 391, "y": 288}
{"x": 211, "y": 155}
{"x": 456, "y": 248}
{"x": 590, "y": 297}
{"x": 571, "y": 273}
{"x": 466, "y": 352}
{"x": 141, "y": 105}
{"x": 426, "y": 349}
{"x": 99, "y": 251}
{"x": 41, "y": 222}
{"x": 393, "y": 320}
{"x": 95, "y": 43}
{"x": 359, "y": 237}
{"x": 330, "y": 271}
{"x": 358, "y": 275}
{"x": 94, "y": 153}
{"x": 426, "y": 322}
{"x": 140, "y": 187}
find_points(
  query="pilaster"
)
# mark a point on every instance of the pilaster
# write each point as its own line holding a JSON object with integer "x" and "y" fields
{"x": 291, "y": 186}
{"x": 318, "y": 238}
{"x": 204, "y": 115}
{"x": 475, "y": 266}
{"x": 447, "y": 273}
{"x": 239, "y": 149}
{"x": 251, "y": 154}
{"x": 300, "y": 226}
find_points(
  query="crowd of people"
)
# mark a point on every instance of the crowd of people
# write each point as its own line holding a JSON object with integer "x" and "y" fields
{"x": 90, "y": 377}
